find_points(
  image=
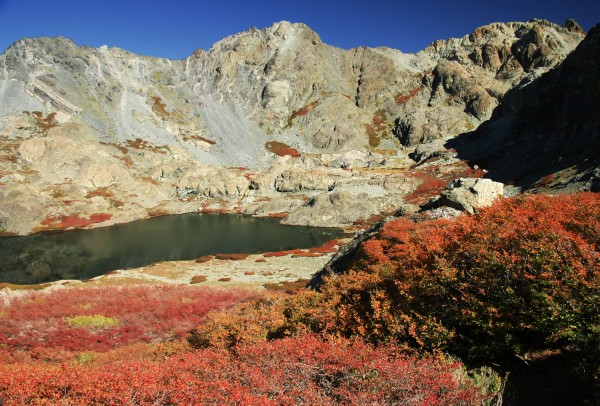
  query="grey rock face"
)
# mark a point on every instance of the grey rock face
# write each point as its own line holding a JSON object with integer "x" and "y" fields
{"x": 470, "y": 194}
{"x": 545, "y": 134}
{"x": 333, "y": 208}
{"x": 281, "y": 82}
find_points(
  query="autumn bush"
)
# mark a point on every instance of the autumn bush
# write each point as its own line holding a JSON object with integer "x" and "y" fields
{"x": 519, "y": 276}
{"x": 305, "y": 370}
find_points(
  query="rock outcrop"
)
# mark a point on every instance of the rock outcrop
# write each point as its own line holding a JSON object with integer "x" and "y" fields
{"x": 470, "y": 194}
{"x": 545, "y": 134}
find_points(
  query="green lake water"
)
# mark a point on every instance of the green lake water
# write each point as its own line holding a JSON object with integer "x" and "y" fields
{"x": 82, "y": 254}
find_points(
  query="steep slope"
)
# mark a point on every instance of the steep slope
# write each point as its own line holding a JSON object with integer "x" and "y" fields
{"x": 546, "y": 133}
{"x": 281, "y": 80}
{"x": 88, "y": 131}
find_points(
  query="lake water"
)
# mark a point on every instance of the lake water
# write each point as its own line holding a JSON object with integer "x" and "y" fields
{"x": 81, "y": 254}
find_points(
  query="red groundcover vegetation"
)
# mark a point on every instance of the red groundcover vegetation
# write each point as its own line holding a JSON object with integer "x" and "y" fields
{"x": 46, "y": 323}
{"x": 303, "y": 370}
{"x": 522, "y": 275}
{"x": 519, "y": 277}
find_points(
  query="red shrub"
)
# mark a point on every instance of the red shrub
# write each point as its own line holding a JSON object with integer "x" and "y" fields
{"x": 145, "y": 313}
{"x": 301, "y": 112}
{"x": 198, "y": 279}
{"x": 303, "y": 370}
{"x": 307, "y": 255}
{"x": 100, "y": 217}
{"x": 282, "y": 253}
{"x": 404, "y": 98}
{"x": 204, "y": 258}
{"x": 73, "y": 221}
{"x": 102, "y": 192}
{"x": 327, "y": 248}
{"x": 522, "y": 275}
{"x": 281, "y": 149}
{"x": 277, "y": 215}
{"x": 430, "y": 186}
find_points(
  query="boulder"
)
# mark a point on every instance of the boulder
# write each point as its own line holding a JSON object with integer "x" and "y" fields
{"x": 333, "y": 210}
{"x": 32, "y": 149}
{"x": 434, "y": 149}
{"x": 276, "y": 96}
{"x": 470, "y": 194}
{"x": 295, "y": 179}
{"x": 212, "y": 183}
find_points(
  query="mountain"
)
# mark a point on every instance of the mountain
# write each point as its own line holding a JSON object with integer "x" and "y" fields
{"x": 266, "y": 122}
{"x": 545, "y": 134}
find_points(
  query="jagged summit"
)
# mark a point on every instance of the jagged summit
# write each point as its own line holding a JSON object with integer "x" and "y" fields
{"x": 257, "y": 79}
{"x": 572, "y": 25}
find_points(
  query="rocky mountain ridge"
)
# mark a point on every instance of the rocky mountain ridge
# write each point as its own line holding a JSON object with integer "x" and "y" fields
{"x": 267, "y": 122}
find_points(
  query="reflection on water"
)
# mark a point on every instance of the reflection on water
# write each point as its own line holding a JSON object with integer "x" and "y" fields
{"x": 84, "y": 254}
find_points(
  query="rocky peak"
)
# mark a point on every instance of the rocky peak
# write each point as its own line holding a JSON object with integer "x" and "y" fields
{"x": 573, "y": 26}
{"x": 545, "y": 134}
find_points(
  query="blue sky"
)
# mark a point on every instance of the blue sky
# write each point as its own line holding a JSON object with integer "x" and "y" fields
{"x": 175, "y": 28}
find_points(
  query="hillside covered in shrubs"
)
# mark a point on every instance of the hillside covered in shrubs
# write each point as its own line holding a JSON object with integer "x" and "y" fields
{"x": 432, "y": 312}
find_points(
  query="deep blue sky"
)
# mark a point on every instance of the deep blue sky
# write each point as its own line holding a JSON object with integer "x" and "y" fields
{"x": 175, "y": 28}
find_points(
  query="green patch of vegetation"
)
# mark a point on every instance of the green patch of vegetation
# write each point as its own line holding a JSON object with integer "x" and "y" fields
{"x": 93, "y": 322}
{"x": 85, "y": 358}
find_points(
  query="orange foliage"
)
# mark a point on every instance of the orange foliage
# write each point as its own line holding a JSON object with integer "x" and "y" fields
{"x": 327, "y": 248}
{"x": 204, "y": 258}
{"x": 198, "y": 279}
{"x": 156, "y": 212}
{"x": 73, "y": 221}
{"x": 374, "y": 140}
{"x": 281, "y": 149}
{"x": 36, "y": 324}
{"x": 513, "y": 278}
{"x": 140, "y": 144}
{"x": 199, "y": 138}
{"x": 304, "y": 370}
{"x": 430, "y": 186}
{"x": 301, "y": 112}
{"x": 404, "y": 98}
{"x": 277, "y": 215}
{"x": 45, "y": 124}
{"x": 282, "y": 253}
{"x": 102, "y": 192}
{"x": 521, "y": 275}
